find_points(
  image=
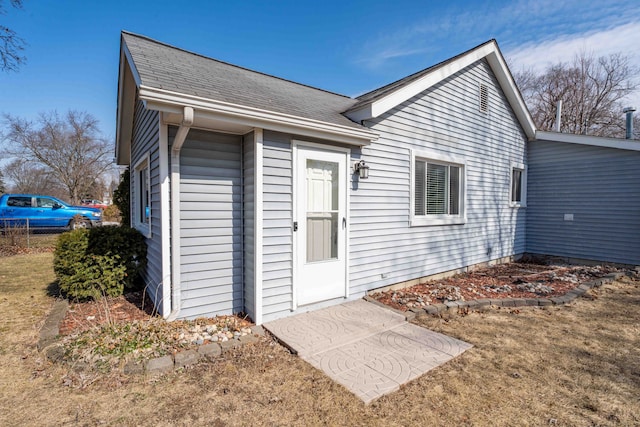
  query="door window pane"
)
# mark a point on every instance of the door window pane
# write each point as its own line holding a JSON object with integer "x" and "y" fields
{"x": 322, "y": 210}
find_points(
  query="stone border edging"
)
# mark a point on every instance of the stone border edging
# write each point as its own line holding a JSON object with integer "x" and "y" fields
{"x": 51, "y": 328}
{"x": 478, "y": 304}
{"x": 49, "y": 333}
{"x": 54, "y": 351}
{"x": 186, "y": 358}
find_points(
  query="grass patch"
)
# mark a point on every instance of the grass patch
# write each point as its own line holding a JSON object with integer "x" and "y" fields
{"x": 16, "y": 242}
{"x": 567, "y": 366}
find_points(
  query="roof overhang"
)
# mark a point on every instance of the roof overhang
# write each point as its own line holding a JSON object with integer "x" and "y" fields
{"x": 212, "y": 114}
{"x": 594, "y": 141}
{"x": 128, "y": 82}
{"x": 488, "y": 51}
{"x": 234, "y": 118}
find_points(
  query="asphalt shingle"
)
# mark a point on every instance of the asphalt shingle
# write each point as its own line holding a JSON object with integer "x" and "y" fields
{"x": 166, "y": 67}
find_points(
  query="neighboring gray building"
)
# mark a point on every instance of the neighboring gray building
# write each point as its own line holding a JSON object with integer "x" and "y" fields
{"x": 249, "y": 190}
{"x": 583, "y": 199}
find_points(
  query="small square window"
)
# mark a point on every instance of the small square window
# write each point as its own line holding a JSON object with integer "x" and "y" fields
{"x": 438, "y": 192}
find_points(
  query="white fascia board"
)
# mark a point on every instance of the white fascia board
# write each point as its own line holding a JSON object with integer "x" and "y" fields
{"x": 119, "y": 109}
{"x": 508, "y": 85}
{"x": 595, "y": 141}
{"x": 402, "y": 94}
{"x": 132, "y": 65}
{"x": 360, "y": 114}
{"x": 496, "y": 62}
{"x": 163, "y": 100}
{"x": 127, "y": 74}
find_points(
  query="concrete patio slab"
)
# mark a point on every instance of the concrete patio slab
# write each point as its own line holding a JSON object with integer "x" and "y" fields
{"x": 370, "y": 350}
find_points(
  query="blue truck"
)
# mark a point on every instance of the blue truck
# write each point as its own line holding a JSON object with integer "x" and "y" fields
{"x": 45, "y": 212}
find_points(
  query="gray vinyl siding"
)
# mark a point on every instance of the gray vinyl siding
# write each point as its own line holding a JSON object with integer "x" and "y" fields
{"x": 145, "y": 139}
{"x": 599, "y": 186}
{"x": 443, "y": 120}
{"x": 277, "y": 240}
{"x": 248, "y": 203}
{"x": 211, "y": 265}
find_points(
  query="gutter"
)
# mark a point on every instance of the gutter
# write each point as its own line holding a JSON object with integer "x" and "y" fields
{"x": 178, "y": 142}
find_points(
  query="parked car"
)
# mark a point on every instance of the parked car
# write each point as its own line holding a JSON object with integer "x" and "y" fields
{"x": 39, "y": 211}
{"x": 92, "y": 203}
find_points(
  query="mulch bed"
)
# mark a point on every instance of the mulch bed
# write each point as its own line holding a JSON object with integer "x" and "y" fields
{"x": 134, "y": 306}
{"x": 83, "y": 316}
{"x": 513, "y": 280}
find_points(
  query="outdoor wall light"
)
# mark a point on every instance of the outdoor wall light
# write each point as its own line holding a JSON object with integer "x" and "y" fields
{"x": 362, "y": 169}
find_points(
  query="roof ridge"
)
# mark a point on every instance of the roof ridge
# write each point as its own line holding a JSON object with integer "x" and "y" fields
{"x": 233, "y": 65}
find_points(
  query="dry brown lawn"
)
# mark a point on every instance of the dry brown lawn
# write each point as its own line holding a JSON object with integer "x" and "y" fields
{"x": 567, "y": 366}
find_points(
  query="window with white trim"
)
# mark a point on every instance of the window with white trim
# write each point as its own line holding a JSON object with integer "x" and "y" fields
{"x": 142, "y": 190}
{"x": 438, "y": 190}
{"x": 518, "y": 197}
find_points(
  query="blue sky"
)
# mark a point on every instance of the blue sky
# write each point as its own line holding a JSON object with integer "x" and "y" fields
{"x": 349, "y": 47}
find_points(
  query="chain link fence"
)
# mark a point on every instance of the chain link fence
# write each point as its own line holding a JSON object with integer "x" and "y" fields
{"x": 21, "y": 232}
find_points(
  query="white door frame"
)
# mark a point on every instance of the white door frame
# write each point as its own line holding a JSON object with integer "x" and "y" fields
{"x": 296, "y": 191}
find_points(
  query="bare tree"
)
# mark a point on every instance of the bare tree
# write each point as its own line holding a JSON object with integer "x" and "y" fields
{"x": 2, "y": 184}
{"x": 70, "y": 149}
{"x": 591, "y": 90}
{"x": 11, "y": 46}
{"x": 25, "y": 177}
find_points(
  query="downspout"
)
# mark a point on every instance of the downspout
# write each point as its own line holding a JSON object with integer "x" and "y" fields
{"x": 178, "y": 141}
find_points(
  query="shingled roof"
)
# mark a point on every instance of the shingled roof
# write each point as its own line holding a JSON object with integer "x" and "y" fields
{"x": 166, "y": 67}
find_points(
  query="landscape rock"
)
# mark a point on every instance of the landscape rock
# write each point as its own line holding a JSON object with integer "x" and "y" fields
{"x": 159, "y": 365}
{"x": 133, "y": 368}
{"x": 54, "y": 353}
{"x": 245, "y": 339}
{"x": 186, "y": 358}
{"x": 210, "y": 351}
{"x": 229, "y": 344}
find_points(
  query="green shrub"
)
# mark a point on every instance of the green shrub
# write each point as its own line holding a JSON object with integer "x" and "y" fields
{"x": 128, "y": 243}
{"x": 100, "y": 261}
{"x": 122, "y": 198}
{"x": 111, "y": 213}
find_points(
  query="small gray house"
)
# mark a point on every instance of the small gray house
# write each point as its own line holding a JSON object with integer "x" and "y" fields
{"x": 269, "y": 197}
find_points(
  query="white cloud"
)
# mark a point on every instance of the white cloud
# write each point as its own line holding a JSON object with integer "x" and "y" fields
{"x": 619, "y": 39}
{"x": 389, "y": 53}
{"x": 446, "y": 30}
{"x": 538, "y": 56}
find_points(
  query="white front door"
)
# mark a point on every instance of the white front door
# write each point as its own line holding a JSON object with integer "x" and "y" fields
{"x": 320, "y": 224}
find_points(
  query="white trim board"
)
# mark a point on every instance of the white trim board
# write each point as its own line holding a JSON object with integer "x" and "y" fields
{"x": 594, "y": 141}
{"x": 489, "y": 50}
{"x": 165, "y": 220}
{"x": 258, "y": 222}
{"x": 295, "y": 192}
{"x": 173, "y": 102}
